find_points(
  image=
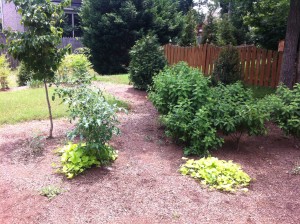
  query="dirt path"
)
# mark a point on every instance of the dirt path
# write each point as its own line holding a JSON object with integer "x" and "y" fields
{"x": 143, "y": 185}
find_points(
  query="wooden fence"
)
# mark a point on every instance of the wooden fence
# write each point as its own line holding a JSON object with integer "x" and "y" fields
{"x": 259, "y": 66}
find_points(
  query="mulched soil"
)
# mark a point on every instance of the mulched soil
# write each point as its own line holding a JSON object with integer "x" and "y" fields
{"x": 143, "y": 185}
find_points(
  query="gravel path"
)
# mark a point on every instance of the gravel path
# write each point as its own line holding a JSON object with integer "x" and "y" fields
{"x": 143, "y": 185}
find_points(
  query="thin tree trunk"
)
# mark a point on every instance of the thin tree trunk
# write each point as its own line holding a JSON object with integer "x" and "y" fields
{"x": 289, "y": 69}
{"x": 298, "y": 64}
{"x": 49, "y": 108}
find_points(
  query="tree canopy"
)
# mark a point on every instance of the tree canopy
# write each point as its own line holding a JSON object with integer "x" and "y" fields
{"x": 110, "y": 28}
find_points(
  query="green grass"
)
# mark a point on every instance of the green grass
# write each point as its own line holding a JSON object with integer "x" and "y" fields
{"x": 118, "y": 79}
{"x": 260, "y": 92}
{"x": 30, "y": 104}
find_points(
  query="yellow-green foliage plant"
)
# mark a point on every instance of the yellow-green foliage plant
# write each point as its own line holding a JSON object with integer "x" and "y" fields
{"x": 4, "y": 72}
{"x": 76, "y": 158}
{"x": 217, "y": 174}
{"x": 72, "y": 64}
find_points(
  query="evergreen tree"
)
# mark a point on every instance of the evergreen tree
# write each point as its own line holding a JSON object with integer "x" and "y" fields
{"x": 111, "y": 27}
{"x": 188, "y": 34}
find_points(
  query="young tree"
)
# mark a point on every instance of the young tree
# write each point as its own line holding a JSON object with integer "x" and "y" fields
{"x": 225, "y": 31}
{"x": 188, "y": 34}
{"x": 37, "y": 48}
{"x": 291, "y": 50}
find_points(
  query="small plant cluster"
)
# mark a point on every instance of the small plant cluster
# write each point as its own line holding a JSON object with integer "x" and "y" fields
{"x": 50, "y": 191}
{"x": 217, "y": 174}
{"x": 96, "y": 122}
{"x": 147, "y": 59}
{"x": 194, "y": 111}
{"x": 76, "y": 158}
{"x": 285, "y": 109}
{"x": 4, "y": 72}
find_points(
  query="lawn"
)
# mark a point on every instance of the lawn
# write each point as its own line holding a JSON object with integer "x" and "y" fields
{"x": 118, "y": 79}
{"x": 30, "y": 104}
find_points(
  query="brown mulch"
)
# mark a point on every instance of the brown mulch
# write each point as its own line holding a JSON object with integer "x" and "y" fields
{"x": 143, "y": 185}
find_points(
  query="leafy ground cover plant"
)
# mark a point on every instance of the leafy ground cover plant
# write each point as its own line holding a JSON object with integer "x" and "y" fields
{"x": 50, "y": 191}
{"x": 4, "y": 72}
{"x": 76, "y": 158}
{"x": 217, "y": 174}
{"x": 147, "y": 59}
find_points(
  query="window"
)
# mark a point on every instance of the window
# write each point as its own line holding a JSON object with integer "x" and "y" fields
{"x": 71, "y": 25}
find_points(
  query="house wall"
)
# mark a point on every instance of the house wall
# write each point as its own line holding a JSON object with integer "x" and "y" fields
{"x": 11, "y": 19}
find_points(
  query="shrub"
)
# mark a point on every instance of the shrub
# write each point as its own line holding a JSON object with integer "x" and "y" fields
{"x": 217, "y": 174}
{"x": 194, "y": 112}
{"x": 227, "y": 67}
{"x": 195, "y": 129}
{"x": 285, "y": 109}
{"x": 72, "y": 66}
{"x": 76, "y": 158}
{"x": 234, "y": 111}
{"x": 177, "y": 83}
{"x": 24, "y": 75}
{"x": 147, "y": 59}
{"x": 4, "y": 72}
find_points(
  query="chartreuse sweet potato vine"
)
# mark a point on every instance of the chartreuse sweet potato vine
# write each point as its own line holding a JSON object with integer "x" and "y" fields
{"x": 217, "y": 174}
{"x": 76, "y": 158}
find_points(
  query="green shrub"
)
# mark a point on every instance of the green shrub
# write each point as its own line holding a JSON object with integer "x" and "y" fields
{"x": 227, "y": 67}
{"x": 285, "y": 109}
{"x": 147, "y": 59}
{"x": 194, "y": 112}
{"x": 177, "y": 83}
{"x": 234, "y": 111}
{"x": 24, "y": 75}
{"x": 195, "y": 129}
{"x": 4, "y": 72}
{"x": 217, "y": 174}
{"x": 71, "y": 66}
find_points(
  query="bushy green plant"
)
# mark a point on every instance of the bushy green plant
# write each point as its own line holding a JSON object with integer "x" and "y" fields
{"x": 147, "y": 59}
{"x": 227, "y": 67}
{"x": 176, "y": 83}
{"x": 194, "y": 112}
{"x": 71, "y": 66}
{"x": 4, "y": 72}
{"x": 217, "y": 174}
{"x": 24, "y": 75}
{"x": 234, "y": 111}
{"x": 76, "y": 158}
{"x": 285, "y": 109}
{"x": 196, "y": 129}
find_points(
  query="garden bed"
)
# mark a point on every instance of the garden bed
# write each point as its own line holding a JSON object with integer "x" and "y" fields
{"x": 144, "y": 185}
